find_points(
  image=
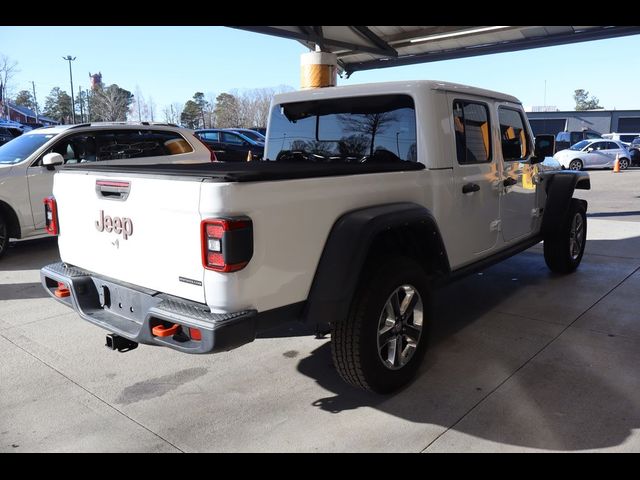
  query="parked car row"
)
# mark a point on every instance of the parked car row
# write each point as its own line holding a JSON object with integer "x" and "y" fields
{"x": 28, "y": 162}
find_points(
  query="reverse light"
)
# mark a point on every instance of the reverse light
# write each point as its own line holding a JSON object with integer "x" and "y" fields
{"x": 51, "y": 216}
{"x": 227, "y": 243}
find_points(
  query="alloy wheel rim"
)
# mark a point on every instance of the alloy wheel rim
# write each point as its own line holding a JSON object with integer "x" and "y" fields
{"x": 575, "y": 165}
{"x": 576, "y": 236}
{"x": 400, "y": 327}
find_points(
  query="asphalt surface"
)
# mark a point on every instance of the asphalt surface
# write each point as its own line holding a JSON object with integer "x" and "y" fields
{"x": 520, "y": 360}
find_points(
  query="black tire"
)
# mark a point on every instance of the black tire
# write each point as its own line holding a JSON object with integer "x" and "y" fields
{"x": 4, "y": 236}
{"x": 563, "y": 250}
{"x": 624, "y": 163}
{"x": 355, "y": 341}
{"x": 576, "y": 164}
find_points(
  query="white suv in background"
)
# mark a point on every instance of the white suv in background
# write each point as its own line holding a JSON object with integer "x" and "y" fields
{"x": 28, "y": 162}
{"x": 625, "y": 138}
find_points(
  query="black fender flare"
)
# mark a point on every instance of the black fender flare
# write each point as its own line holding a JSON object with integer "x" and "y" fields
{"x": 347, "y": 248}
{"x": 560, "y": 188}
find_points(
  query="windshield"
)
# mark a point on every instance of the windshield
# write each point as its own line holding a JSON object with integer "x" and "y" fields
{"x": 579, "y": 145}
{"x": 255, "y": 136}
{"x": 20, "y": 148}
{"x": 376, "y": 129}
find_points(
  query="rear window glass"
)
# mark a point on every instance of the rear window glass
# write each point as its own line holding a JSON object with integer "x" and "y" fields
{"x": 124, "y": 144}
{"x": 370, "y": 129}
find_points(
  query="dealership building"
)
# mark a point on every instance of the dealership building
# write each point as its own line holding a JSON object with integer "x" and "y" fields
{"x": 599, "y": 121}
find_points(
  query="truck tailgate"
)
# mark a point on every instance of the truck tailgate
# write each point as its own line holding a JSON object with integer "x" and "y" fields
{"x": 149, "y": 237}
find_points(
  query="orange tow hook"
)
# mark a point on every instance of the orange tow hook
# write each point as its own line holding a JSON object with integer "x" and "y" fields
{"x": 162, "y": 331}
{"x": 62, "y": 291}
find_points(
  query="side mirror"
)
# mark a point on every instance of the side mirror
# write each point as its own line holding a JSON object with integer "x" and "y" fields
{"x": 50, "y": 160}
{"x": 544, "y": 147}
{"x": 590, "y": 149}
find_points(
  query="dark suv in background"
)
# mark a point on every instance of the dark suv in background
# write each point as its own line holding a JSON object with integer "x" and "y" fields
{"x": 8, "y": 133}
{"x": 232, "y": 145}
{"x": 634, "y": 151}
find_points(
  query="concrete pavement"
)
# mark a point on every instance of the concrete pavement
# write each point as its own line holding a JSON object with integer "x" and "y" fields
{"x": 520, "y": 360}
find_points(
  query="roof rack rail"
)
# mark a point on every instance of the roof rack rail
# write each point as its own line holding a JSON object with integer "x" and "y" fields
{"x": 166, "y": 124}
{"x": 80, "y": 125}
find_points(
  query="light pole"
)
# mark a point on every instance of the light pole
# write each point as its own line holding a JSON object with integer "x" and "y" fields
{"x": 73, "y": 102}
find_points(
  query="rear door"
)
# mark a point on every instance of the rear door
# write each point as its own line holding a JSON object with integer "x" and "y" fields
{"x": 140, "y": 230}
{"x": 235, "y": 146}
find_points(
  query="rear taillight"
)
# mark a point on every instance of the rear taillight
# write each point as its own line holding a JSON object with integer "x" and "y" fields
{"x": 227, "y": 243}
{"x": 212, "y": 157}
{"x": 51, "y": 215}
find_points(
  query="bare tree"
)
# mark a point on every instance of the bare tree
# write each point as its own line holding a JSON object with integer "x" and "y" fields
{"x": 8, "y": 68}
{"x": 172, "y": 113}
{"x": 252, "y": 106}
{"x": 111, "y": 103}
{"x": 151, "y": 105}
{"x": 370, "y": 125}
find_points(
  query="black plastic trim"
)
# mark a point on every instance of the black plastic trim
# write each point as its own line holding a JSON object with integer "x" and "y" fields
{"x": 251, "y": 171}
{"x": 488, "y": 261}
{"x": 347, "y": 248}
{"x": 560, "y": 188}
{"x": 219, "y": 331}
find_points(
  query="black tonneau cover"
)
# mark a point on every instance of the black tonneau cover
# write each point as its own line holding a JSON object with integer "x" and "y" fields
{"x": 252, "y": 171}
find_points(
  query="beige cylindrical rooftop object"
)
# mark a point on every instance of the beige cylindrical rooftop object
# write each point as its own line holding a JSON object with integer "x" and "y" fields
{"x": 318, "y": 69}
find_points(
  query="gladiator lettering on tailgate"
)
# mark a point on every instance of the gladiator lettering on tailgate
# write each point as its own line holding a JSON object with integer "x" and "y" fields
{"x": 117, "y": 225}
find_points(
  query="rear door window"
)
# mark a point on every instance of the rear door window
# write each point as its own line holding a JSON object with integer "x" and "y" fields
{"x": 472, "y": 129}
{"x": 231, "y": 138}
{"x": 211, "y": 136}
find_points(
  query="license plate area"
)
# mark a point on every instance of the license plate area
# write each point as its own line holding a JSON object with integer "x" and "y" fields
{"x": 123, "y": 301}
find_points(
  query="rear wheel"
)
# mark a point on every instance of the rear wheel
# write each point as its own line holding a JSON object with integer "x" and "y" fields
{"x": 576, "y": 165}
{"x": 563, "y": 250}
{"x": 4, "y": 236}
{"x": 380, "y": 346}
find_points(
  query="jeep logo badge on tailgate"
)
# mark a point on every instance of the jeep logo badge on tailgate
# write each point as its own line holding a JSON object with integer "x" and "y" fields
{"x": 118, "y": 225}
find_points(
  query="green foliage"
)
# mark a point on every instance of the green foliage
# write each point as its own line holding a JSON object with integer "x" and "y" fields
{"x": 58, "y": 106}
{"x": 226, "y": 111}
{"x": 25, "y": 99}
{"x": 191, "y": 114}
{"x": 583, "y": 102}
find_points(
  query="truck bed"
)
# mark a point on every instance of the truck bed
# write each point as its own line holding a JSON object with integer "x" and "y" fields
{"x": 251, "y": 171}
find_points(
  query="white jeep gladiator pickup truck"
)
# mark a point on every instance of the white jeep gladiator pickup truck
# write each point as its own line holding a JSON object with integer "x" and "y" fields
{"x": 367, "y": 199}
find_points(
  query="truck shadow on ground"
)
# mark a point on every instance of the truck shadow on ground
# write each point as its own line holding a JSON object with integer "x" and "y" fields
{"x": 30, "y": 254}
{"x": 548, "y": 405}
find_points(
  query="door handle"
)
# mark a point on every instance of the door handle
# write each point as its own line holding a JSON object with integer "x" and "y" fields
{"x": 508, "y": 182}
{"x": 470, "y": 187}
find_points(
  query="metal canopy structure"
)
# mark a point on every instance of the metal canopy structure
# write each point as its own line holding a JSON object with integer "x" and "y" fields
{"x": 366, "y": 48}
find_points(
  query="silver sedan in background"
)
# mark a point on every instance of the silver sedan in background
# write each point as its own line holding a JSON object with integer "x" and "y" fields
{"x": 595, "y": 153}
